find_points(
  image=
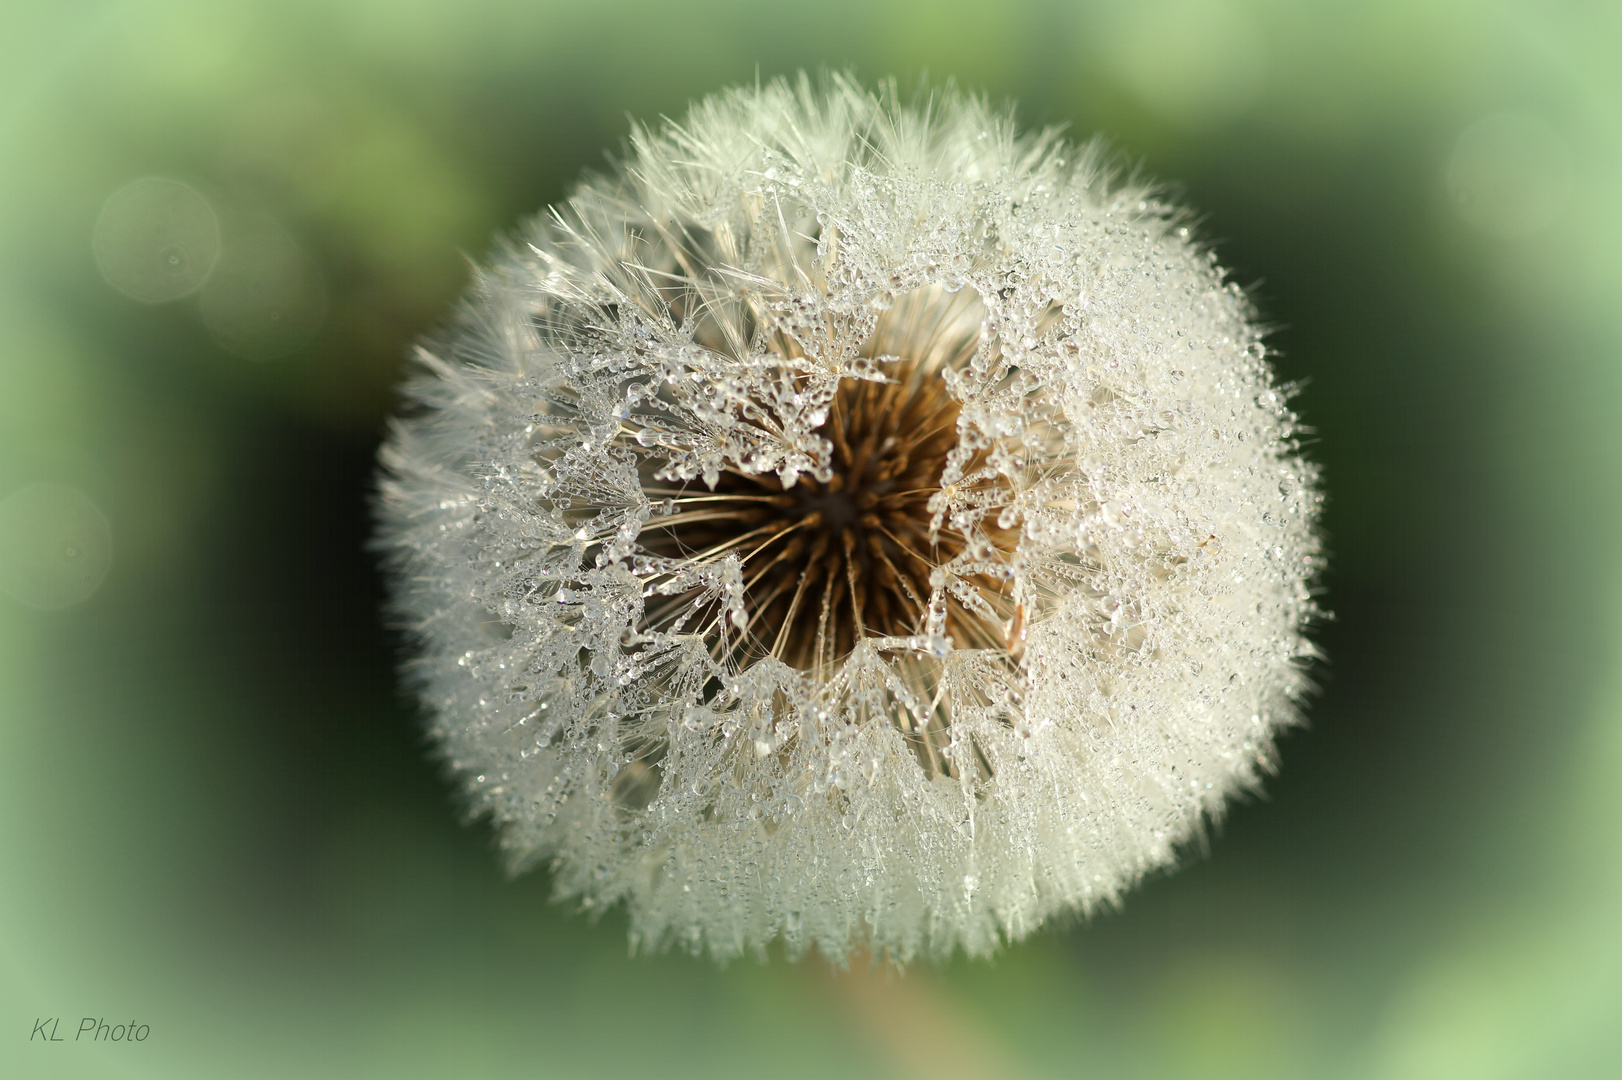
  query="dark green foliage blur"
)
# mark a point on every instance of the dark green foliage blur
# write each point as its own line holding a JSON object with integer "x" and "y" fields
{"x": 224, "y": 222}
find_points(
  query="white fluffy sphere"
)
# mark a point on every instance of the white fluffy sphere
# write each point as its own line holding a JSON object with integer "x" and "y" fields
{"x": 852, "y": 523}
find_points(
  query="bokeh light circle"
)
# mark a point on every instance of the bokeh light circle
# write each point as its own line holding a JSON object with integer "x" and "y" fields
{"x": 1510, "y": 174}
{"x": 156, "y": 240}
{"x": 55, "y": 546}
{"x": 267, "y": 298}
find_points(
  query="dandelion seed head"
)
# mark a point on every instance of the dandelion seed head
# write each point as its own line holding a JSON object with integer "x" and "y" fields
{"x": 854, "y": 523}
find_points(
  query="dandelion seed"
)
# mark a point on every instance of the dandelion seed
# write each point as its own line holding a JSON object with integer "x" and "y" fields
{"x": 852, "y": 523}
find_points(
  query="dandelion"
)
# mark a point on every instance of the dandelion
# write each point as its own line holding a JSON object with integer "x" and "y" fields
{"x": 851, "y": 523}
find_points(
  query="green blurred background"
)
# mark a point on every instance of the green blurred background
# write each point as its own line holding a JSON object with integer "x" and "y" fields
{"x": 222, "y": 224}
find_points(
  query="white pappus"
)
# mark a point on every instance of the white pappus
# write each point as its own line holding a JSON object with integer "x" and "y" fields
{"x": 854, "y": 523}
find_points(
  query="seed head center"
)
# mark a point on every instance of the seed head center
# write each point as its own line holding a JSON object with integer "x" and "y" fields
{"x": 826, "y": 563}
